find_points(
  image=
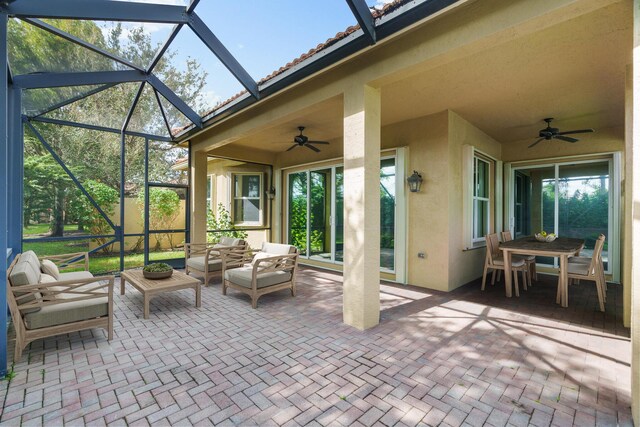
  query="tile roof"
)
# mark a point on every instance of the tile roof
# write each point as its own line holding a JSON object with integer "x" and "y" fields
{"x": 377, "y": 12}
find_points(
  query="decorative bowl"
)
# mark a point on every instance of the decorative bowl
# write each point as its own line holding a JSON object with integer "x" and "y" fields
{"x": 547, "y": 238}
{"x": 157, "y": 271}
{"x": 157, "y": 275}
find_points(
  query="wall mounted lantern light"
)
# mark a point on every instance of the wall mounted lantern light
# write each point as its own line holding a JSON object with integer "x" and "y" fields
{"x": 414, "y": 181}
{"x": 271, "y": 193}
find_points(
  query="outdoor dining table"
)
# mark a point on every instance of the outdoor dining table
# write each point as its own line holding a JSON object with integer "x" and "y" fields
{"x": 562, "y": 247}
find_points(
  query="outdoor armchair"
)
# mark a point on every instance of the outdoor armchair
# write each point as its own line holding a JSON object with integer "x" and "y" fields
{"x": 258, "y": 273}
{"x": 205, "y": 258}
{"x": 42, "y": 305}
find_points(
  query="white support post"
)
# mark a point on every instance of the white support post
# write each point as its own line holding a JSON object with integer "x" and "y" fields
{"x": 361, "y": 299}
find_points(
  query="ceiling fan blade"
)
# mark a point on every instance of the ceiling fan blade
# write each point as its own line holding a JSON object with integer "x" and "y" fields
{"x": 536, "y": 143}
{"x": 566, "y": 138}
{"x": 311, "y": 147}
{"x": 569, "y": 132}
{"x": 318, "y": 142}
{"x": 292, "y": 147}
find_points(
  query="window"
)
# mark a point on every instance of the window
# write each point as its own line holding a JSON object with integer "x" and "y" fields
{"x": 316, "y": 213}
{"x": 481, "y": 198}
{"x": 247, "y": 199}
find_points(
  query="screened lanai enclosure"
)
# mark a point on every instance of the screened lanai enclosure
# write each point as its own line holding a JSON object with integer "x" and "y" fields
{"x": 102, "y": 96}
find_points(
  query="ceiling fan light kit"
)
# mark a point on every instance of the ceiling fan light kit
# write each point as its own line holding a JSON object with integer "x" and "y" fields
{"x": 303, "y": 141}
{"x": 550, "y": 133}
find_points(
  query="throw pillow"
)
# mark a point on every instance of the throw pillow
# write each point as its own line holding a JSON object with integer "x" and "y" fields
{"x": 48, "y": 267}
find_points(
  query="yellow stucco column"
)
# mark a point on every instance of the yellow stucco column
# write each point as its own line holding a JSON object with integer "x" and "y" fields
{"x": 361, "y": 298}
{"x": 198, "y": 206}
{"x": 633, "y": 163}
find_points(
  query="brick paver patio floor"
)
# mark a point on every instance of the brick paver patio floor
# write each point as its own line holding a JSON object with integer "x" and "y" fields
{"x": 460, "y": 358}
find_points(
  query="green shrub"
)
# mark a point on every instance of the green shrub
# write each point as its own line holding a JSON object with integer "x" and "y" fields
{"x": 223, "y": 222}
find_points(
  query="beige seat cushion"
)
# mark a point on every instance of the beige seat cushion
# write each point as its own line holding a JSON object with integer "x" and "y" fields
{"x": 580, "y": 259}
{"x": 242, "y": 276}
{"x": 68, "y": 312}
{"x": 229, "y": 241}
{"x": 578, "y": 268}
{"x": 32, "y": 259}
{"x": 278, "y": 248}
{"x": 515, "y": 262}
{"x": 75, "y": 275}
{"x": 197, "y": 263}
{"x": 22, "y": 274}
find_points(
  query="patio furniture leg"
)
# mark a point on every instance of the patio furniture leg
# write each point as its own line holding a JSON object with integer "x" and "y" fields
{"x": 507, "y": 273}
{"x": 198, "y": 296}
{"x": 224, "y": 287}
{"x": 499, "y": 275}
{"x": 254, "y": 301}
{"x": 122, "y": 283}
{"x": 534, "y": 271}
{"x": 524, "y": 280}
{"x": 600, "y": 290}
{"x": 564, "y": 264}
{"x": 515, "y": 277}
{"x": 493, "y": 278}
{"x": 484, "y": 276}
{"x": 146, "y": 306}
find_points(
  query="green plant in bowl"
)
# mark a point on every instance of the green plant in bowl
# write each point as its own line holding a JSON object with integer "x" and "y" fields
{"x": 157, "y": 267}
{"x": 157, "y": 270}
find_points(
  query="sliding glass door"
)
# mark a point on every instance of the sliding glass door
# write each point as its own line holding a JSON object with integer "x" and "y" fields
{"x": 315, "y": 213}
{"x": 569, "y": 199}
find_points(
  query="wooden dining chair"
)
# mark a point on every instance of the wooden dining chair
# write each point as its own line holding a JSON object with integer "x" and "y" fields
{"x": 593, "y": 270}
{"x": 587, "y": 260}
{"x": 495, "y": 261}
{"x": 530, "y": 260}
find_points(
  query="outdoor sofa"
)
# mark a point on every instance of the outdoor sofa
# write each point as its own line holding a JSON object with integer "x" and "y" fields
{"x": 56, "y": 302}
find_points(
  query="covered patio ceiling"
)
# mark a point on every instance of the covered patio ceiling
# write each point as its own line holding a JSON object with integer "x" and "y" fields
{"x": 573, "y": 71}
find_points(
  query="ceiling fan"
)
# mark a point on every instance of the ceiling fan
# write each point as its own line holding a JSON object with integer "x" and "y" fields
{"x": 303, "y": 141}
{"x": 550, "y": 133}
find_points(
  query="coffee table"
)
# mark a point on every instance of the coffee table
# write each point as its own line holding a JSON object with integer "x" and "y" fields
{"x": 149, "y": 288}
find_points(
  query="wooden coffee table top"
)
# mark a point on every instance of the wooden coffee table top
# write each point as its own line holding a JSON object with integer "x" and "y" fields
{"x": 178, "y": 280}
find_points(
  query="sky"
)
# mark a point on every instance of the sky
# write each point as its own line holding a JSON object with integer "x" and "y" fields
{"x": 263, "y": 36}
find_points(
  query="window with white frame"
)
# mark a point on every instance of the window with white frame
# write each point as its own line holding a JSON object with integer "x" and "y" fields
{"x": 246, "y": 193}
{"x": 481, "y": 202}
{"x": 481, "y": 198}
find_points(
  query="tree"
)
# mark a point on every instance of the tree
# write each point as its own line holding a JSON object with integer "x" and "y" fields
{"x": 107, "y": 198}
{"x": 90, "y": 154}
{"x": 164, "y": 208}
{"x": 46, "y": 185}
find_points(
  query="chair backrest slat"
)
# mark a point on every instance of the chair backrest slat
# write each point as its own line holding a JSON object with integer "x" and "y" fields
{"x": 506, "y": 236}
{"x": 492, "y": 246}
{"x": 597, "y": 252}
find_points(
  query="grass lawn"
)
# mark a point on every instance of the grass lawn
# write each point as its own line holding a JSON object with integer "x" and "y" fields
{"x": 99, "y": 263}
{"x": 44, "y": 228}
{"x": 104, "y": 264}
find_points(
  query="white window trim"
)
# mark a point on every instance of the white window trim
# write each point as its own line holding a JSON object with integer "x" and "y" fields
{"x": 475, "y": 198}
{"x": 233, "y": 198}
{"x": 469, "y": 156}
